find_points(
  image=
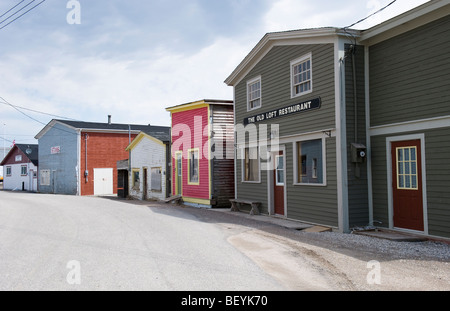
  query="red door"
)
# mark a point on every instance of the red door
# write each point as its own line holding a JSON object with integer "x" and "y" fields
{"x": 407, "y": 185}
{"x": 278, "y": 177}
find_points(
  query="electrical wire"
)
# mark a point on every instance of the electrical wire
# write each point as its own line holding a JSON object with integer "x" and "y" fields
{"x": 21, "y": 14}
{"x": 11, "y": 8}
{"x": 36, "y": 111}
{"x": 362, "y": 20}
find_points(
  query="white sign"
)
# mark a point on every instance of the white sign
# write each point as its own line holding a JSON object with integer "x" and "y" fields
{"x": 55, "y": 150}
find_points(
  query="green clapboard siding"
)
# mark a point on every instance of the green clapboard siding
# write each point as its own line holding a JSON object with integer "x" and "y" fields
{"x": 410, "y": 75}
{"x": 315, "y": 204}
{"x": 274, "y": 70}
{"x": 437, "y": 149}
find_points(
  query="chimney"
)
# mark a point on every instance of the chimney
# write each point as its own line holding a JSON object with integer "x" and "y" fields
{"x": 109, "y": 119}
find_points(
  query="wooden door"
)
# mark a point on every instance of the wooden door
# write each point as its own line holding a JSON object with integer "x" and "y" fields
{"x": 407, "y": 185}
{"x": 178, "y": 173}
{"x": 279, "y": 183}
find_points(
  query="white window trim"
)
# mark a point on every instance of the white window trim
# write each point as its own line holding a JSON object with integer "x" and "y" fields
{"x": 250, "y": 82}
{"x": 295, "y": 62}
{"x": 243, "y": 166}
{"x": 277, "y": 157}
{"x": 324, "y": 163}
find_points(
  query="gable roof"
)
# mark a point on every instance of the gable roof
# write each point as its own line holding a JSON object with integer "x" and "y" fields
{"x": 140, "y": 137}
{"x": 33, "y": 156}
{"x": 290, "y": 37}
{"x": 160, "y": 132}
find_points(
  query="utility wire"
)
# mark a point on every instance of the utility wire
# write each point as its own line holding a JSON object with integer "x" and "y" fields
{"x": 36, "y": 111}
{"x": 11, "y": 9}
{"x": 17, "y": 11}
{"x": 362, "y": 20}
{"x": 21, "y": 14}
{"x": 4, "y": 101}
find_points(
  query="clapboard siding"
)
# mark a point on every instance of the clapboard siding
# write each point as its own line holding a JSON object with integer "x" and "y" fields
{"x": 410, "y": 75}
{"x": 314, "y": 204}
{"x": 437, "y": 144}
{"x": 379, "y": 181}
{"x": 437, "y": 149}
{"x": 251, "y": 191}
{"x": 223, "y": 154}
{"x": 63, "y": 166}
{"x": 357, "y": 185}
{"x": 274, "y": 70}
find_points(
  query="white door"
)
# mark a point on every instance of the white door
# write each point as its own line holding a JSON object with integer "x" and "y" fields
{"x": 103, "y": 181}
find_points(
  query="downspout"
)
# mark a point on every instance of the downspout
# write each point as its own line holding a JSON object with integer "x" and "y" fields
{"x": 355, "y": 104}
{"x": 86, "y": 172}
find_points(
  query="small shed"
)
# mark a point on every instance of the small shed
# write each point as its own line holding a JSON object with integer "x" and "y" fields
{"x": 149, "y": 177}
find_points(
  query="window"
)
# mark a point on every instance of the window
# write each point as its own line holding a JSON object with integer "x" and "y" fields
{"x": 193, "y": 164}
{"x": 310, "y": 162}
{"x": 254, "y": 94}
{"x": 279, "y": 170}
{"x": 135, "y": 179}
{"x": 23, "y": 170}
{"x": 251, "y": 165}
{"x": 301, "y": 76}
{"x": 8, "y": 171}
{"x": 407, "y": 168}
{"x": 45, "y": 178}
{"x": 156, "y": 179}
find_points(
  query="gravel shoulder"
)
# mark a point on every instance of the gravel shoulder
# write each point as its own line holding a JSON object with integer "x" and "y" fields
{"x": 335, "y": 261}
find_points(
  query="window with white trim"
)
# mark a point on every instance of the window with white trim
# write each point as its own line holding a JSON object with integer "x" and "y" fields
{"x": 310, "y": 162}
{"x": 23, "y": 170}
{"x": 301, "y": 76}
{"x": 193, "y": 166}
{"x": 8, "y": 171}
{"x": 254, "y": 94}
{"x": 251, "y": 165}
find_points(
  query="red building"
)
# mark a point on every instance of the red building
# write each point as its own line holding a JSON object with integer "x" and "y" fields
{"x": 203, "y": 152}
{"x": 81, "y": 158}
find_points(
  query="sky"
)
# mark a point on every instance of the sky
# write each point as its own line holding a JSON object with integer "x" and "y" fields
{"x": 88, "y": 59}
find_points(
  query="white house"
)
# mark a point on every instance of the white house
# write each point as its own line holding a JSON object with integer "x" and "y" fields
{"x": 20, "y": 168}
{"x": 149, "y": 170}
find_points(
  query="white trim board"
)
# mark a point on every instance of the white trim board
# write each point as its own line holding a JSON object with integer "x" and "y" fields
{"x": 411, "y": 126}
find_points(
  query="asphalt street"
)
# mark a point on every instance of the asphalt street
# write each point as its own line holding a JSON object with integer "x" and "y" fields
{"x": 51, "y": 242}
{"x": 84, "y": 243}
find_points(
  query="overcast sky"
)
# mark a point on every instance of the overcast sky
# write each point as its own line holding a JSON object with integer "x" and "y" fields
{"x": 132, "y": 59}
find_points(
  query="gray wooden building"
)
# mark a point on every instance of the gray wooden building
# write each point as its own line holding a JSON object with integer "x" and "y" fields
{"x": 347, "y": 128}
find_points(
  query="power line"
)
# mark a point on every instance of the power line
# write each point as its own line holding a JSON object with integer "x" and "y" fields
{"x": 11, "y": 9}
{"x": 36, "y": 111}
{"x": 21, "y": 14}
{"x": 362, "y": 20}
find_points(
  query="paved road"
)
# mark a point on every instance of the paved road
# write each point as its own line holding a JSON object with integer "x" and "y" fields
{"x": 84, "y": 243}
